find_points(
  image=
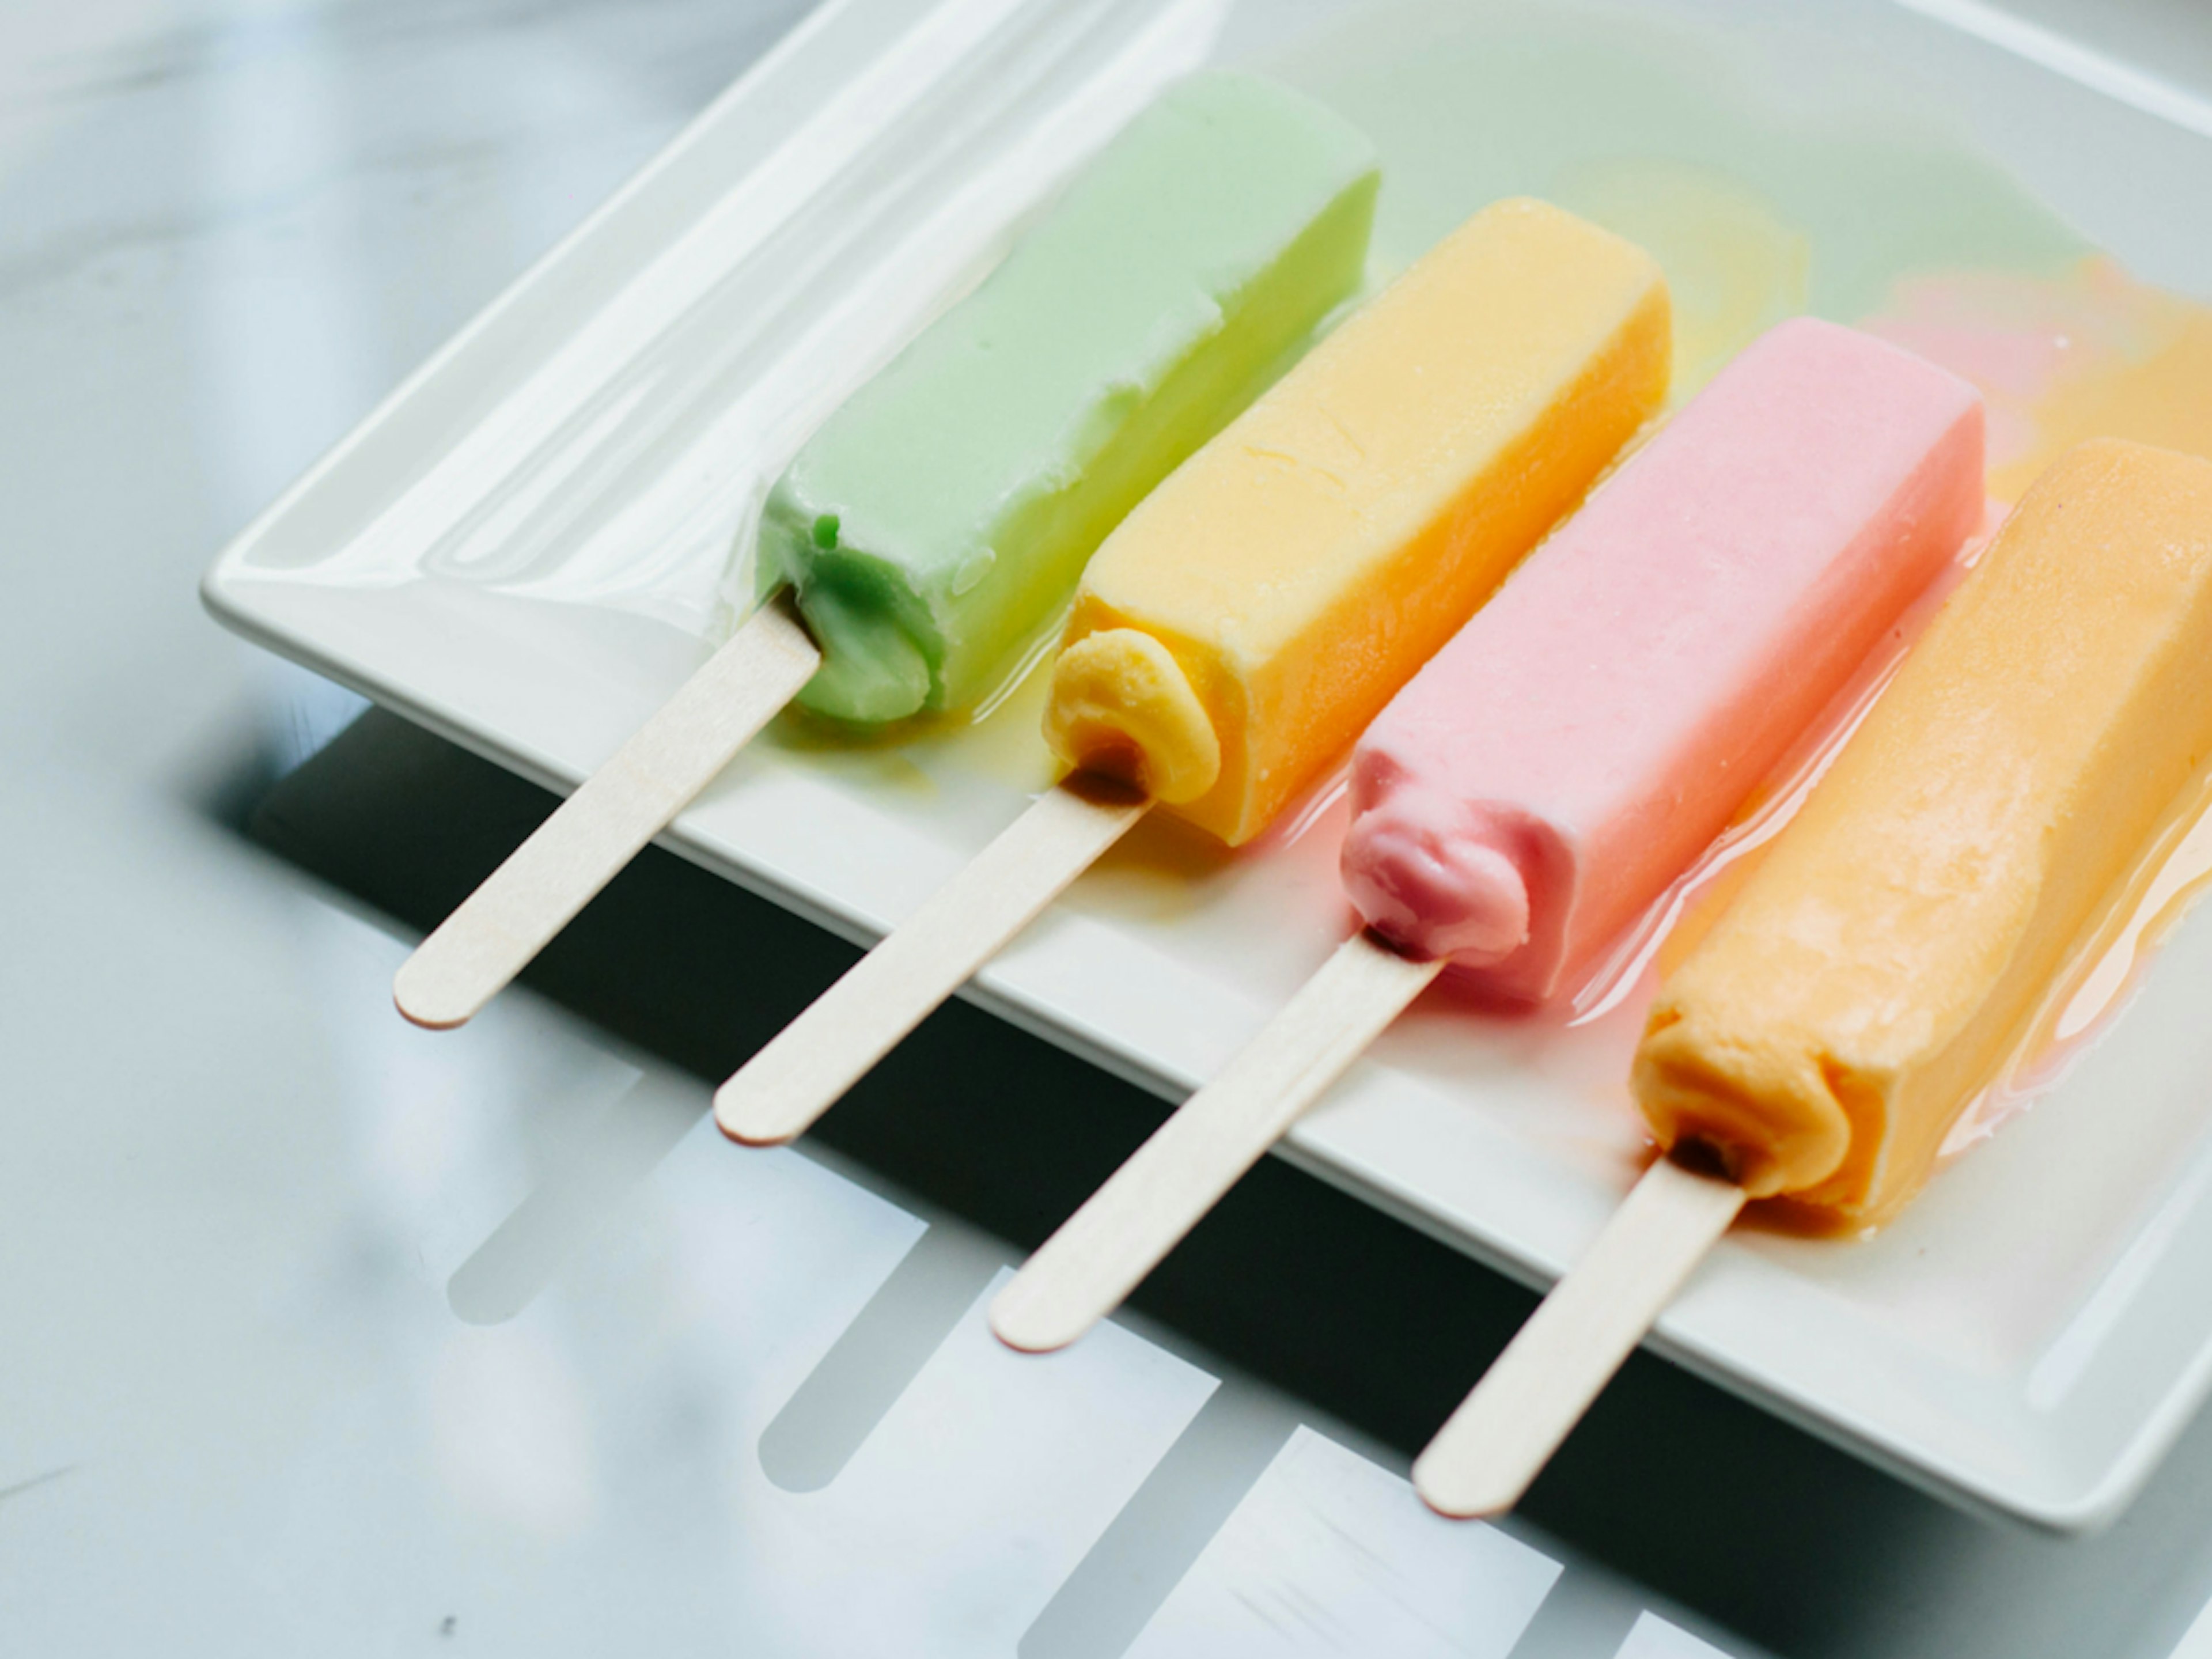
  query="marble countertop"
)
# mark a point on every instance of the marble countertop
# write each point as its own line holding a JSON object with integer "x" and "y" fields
{"x": 329, "y": 1335}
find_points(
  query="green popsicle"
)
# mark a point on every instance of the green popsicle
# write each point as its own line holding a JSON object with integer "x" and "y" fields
{"x": 935, "y": 526}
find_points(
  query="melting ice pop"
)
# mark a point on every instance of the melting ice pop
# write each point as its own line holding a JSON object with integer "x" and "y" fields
{"x": 1597, "y": 725}
{"x": 1238, "y": 630}
{"x": 934, "y": 526}
{"x": 1877, "y": 968}
{"x": 1542, "y": 781}
{"x": 1881, "y": 963}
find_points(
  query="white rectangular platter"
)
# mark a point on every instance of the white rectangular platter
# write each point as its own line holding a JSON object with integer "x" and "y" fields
{"x": 525, "y": 549}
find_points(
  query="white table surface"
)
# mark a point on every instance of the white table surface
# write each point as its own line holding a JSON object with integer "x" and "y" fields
{"x": 322, "y": 1335}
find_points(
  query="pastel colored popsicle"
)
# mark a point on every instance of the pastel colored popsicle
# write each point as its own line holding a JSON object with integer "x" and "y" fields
{"x": 1234, "y": 634}
{"x": 934, "y": 527}
{"x": 1576, "y": 743}
{"x": 1576, "y": 746}
{"x": 1881, "y": 963}
{"x": 1889, "y": 954}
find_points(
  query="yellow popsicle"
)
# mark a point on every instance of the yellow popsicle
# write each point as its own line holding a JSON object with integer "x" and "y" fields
{"x": 1241, "y": 628}
{"x": 1878, "y": 968}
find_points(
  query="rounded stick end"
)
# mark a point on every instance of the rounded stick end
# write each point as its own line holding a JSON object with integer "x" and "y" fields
{"x": 1030, "y": 1323}
{"x": 426, "y": 996}
{"x": 749, "y": 1119}
{"x": 1461, "y": 1486}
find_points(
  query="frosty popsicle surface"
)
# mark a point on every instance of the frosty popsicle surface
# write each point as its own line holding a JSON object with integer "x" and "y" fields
{"x": 935, "y": 525}
{"x": 1576, "y": 746}
{"x": 1234, "y": 634}
{"x": 1239, "y": 629}
{"x": 1882, "y": 961}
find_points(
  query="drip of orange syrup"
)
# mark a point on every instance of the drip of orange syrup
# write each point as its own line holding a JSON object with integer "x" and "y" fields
{"x": 2103, "y": 973}
{"x": 2085, "y": 997}
{"x": 2095, "y": 353}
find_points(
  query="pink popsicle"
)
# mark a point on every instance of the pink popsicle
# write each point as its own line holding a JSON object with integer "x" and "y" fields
{"x": 1579, "y": 742}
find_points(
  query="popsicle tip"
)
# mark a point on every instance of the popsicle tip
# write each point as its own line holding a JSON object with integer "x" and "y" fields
{"x": 1493, "y": 913}
{"x": 1419, "y": 869}
{"x": 1122, "y": 705}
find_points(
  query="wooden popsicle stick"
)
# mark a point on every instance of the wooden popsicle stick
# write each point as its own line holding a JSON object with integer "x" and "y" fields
{"x": 1502, "y": 1434}
{"x": 656, "y": 772}
{"x": 1105, "y": 1248}
{"x": 813, "y": 1062}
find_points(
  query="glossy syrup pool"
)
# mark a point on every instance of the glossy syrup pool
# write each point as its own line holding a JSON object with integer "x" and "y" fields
{"x": 1762, "y": 190}
{"x": 1757, "y": 211}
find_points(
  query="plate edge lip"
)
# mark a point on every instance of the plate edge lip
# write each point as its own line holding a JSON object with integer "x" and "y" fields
{"x": 775, "y": 60}
{"x": 2078, "y": 1509}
